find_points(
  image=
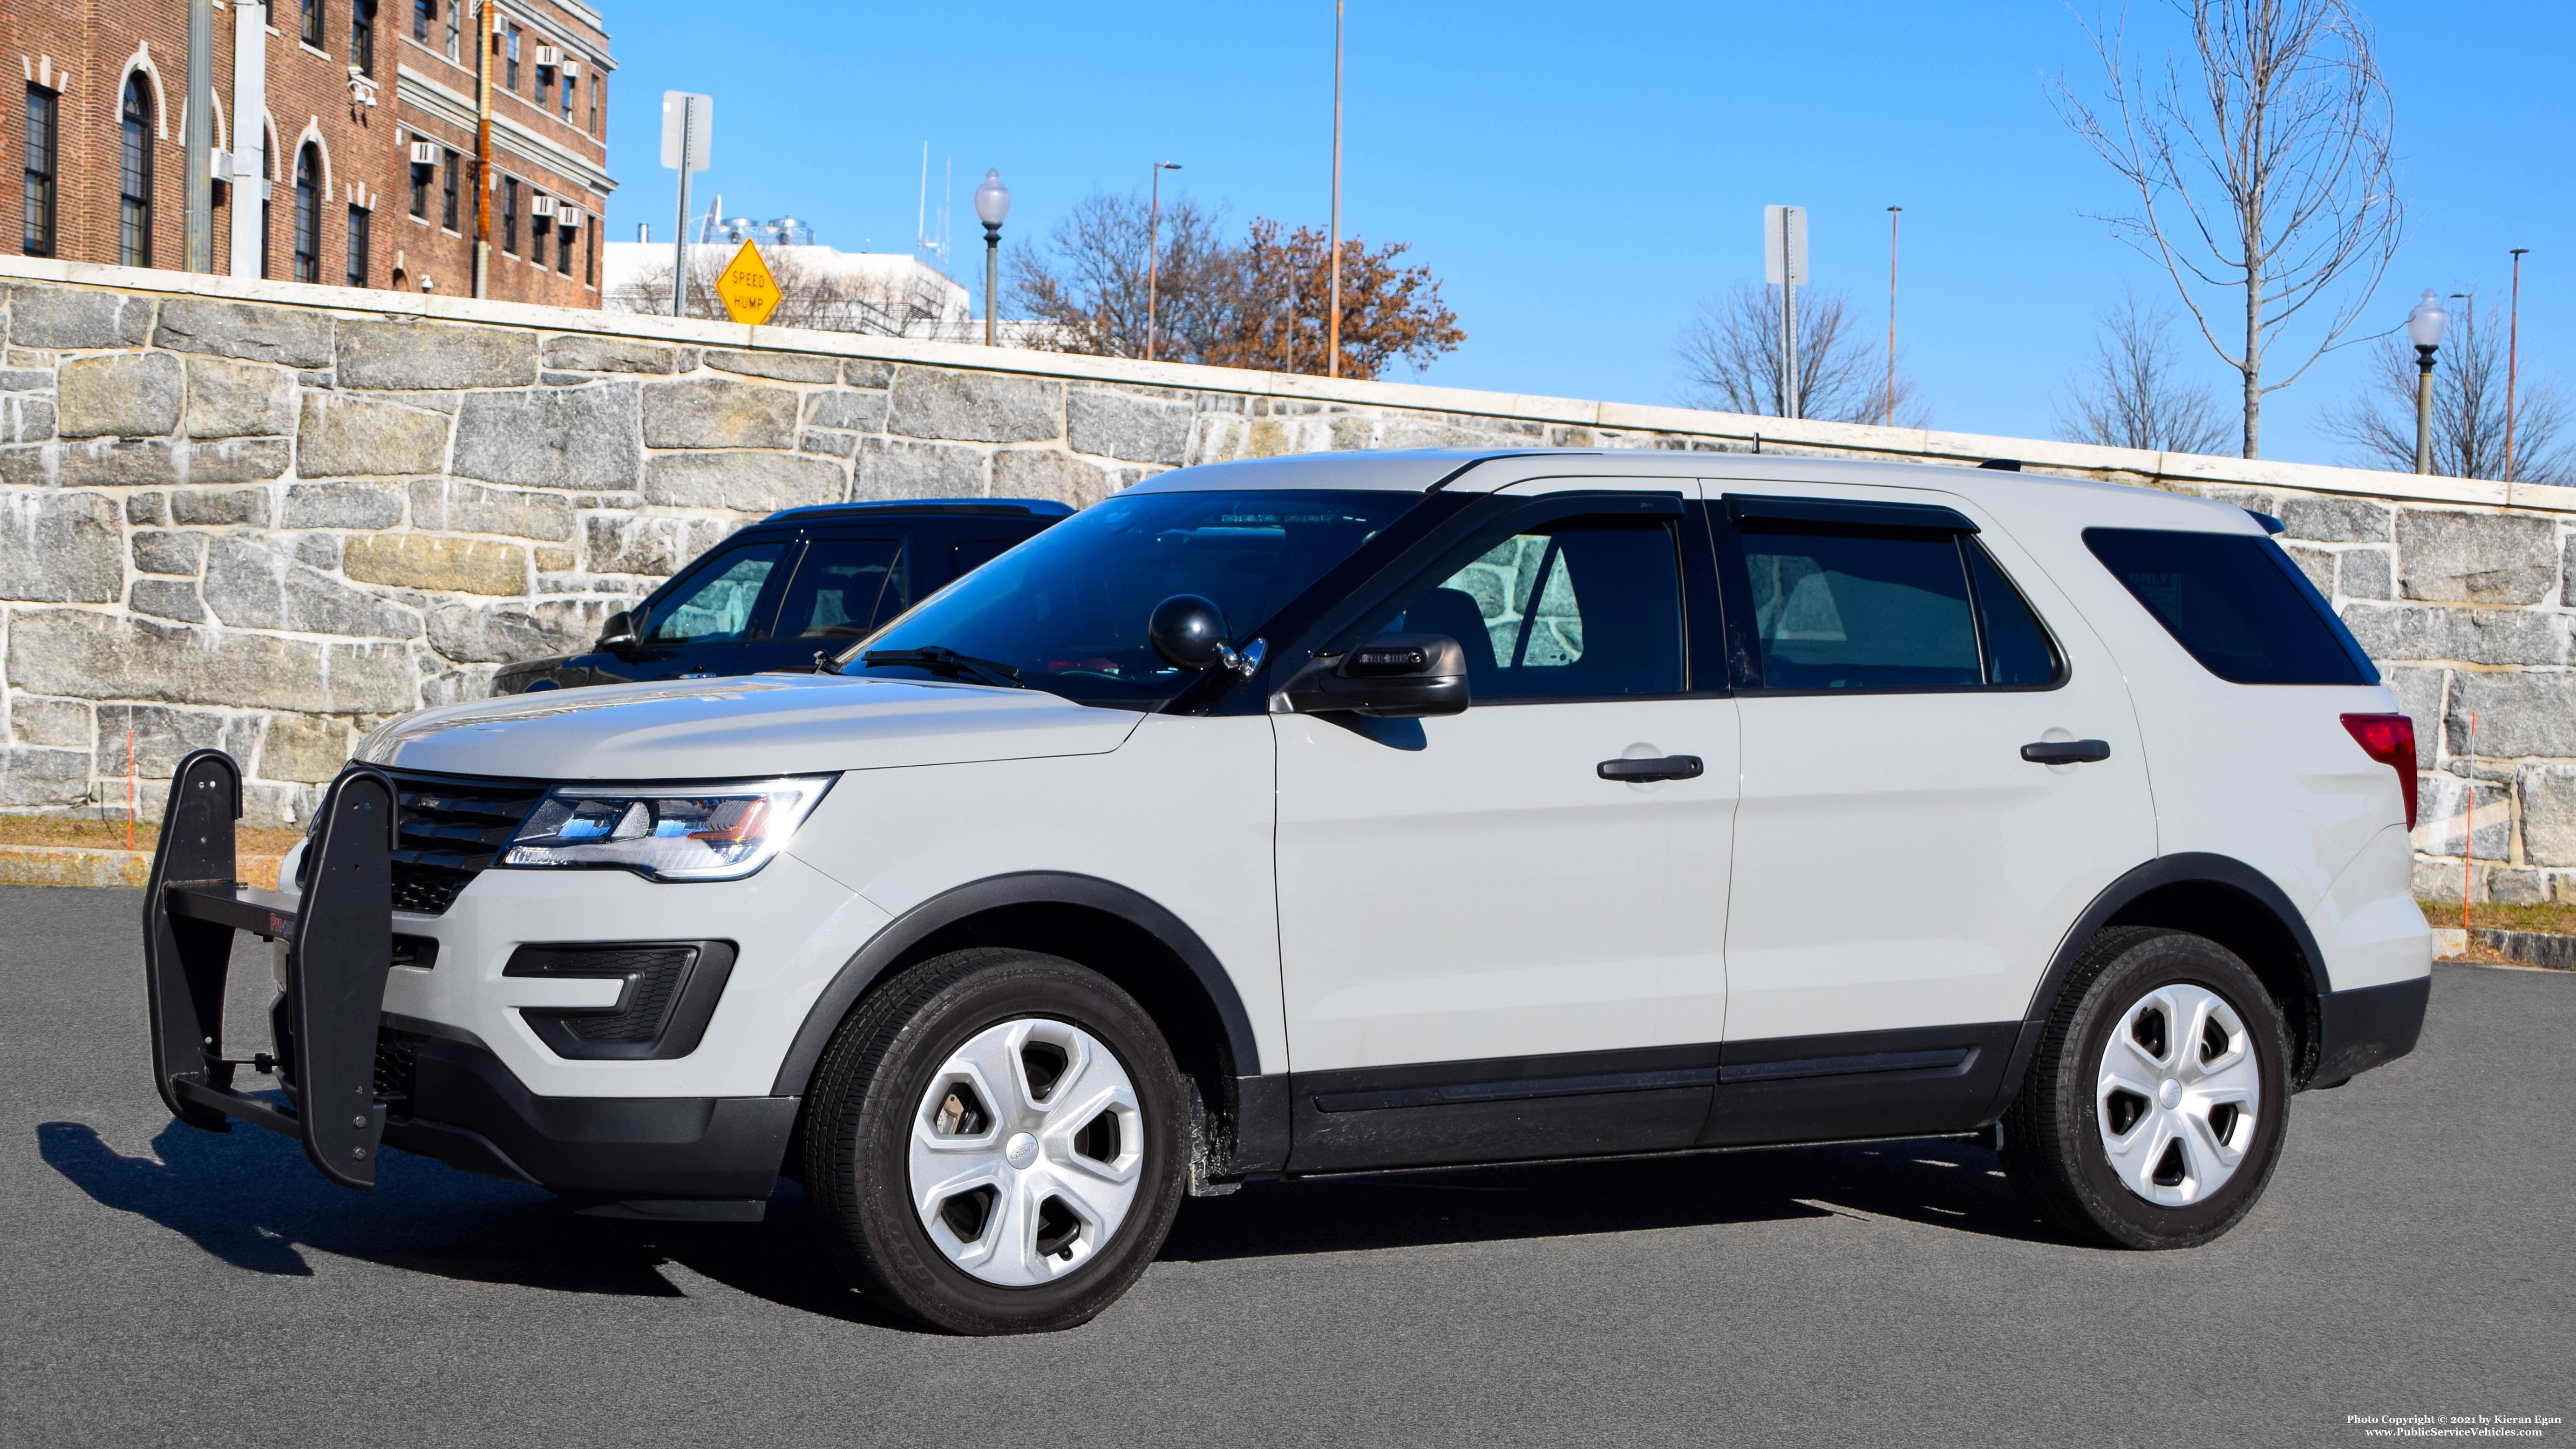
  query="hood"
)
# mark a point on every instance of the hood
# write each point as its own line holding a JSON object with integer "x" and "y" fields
{"x": 773, "y": 724}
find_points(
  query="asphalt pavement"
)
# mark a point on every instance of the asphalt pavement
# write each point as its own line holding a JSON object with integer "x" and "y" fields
{"x": 2416, "y": 1255}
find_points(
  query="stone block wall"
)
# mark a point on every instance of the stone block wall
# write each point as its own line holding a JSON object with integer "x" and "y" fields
{"x": 267, "y": 517}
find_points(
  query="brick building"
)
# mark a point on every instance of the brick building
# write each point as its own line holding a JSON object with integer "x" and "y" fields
{"x": 325, "y": 186}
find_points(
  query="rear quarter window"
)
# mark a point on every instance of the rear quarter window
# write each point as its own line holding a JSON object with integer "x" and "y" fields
{"x": 2236, "y": 603}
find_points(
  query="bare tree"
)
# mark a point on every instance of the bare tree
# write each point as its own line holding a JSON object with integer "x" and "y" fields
{"x": 2468, "y": 411}
{"x": 1088, "y": 283}
{"x": 1730, "y": 354}
{"x": 2269, "y": 175}
{"x": 2131, "y": 394}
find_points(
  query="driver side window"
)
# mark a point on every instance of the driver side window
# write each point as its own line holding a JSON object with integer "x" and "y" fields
{"x": 720, "y": 603}
{"x": 1581, "y": 608}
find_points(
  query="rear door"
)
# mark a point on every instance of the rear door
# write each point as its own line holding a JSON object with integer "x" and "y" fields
{"x": 847, "y": 583}
{"x": 1903, "y": 872}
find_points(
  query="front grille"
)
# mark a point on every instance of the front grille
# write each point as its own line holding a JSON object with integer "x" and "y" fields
{"x": 653, "y": 974}
{"x": 452, "y": 828}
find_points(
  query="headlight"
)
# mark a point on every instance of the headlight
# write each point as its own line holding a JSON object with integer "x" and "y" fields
{"x": 665, "y": 832}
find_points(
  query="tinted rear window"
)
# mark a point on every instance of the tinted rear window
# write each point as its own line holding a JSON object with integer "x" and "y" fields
{"x": 2237, "y": 603}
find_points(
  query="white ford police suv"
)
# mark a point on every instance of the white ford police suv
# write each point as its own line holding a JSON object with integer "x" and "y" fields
{"x": 1364, "y": 811}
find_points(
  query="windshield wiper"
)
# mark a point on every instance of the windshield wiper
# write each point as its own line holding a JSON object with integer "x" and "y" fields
{"x": 947, "y": 661}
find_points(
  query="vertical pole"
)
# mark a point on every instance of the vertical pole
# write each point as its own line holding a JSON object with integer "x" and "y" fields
{"x": 250, "y": 117}
{"x": 992, "y": 270}
{"x": 2512, "y": 361}
{"x": 1894, "y": 213}
{"x": 200, "y": 138}
{"x": 2423, "y": 409}
{"x": 1153, "y": 256}
{"x": 483, "y": 153}
{"x": 1791, "y": 404}
{"x": 680, "y": 227}
{"x": 2469, "y": 824}
{"x": 1333, "y": 342}
{"x": 129, "y": 777}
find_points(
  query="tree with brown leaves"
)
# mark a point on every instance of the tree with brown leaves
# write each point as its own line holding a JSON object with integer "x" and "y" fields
{"x": 1282, "y": 290}
{"x": 1260, "y": 303}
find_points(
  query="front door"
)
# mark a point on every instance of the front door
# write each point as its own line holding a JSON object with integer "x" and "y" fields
{"x": 1490, "y": 949}
{"x": 1903, "y": 872}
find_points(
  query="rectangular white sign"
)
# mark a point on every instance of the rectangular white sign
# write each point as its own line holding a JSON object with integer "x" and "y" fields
{"x": 697, "y": 114}
{"x": 1784, "y": 245}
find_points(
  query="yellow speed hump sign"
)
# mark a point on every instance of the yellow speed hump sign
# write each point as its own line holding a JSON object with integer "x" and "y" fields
{"x": 750, "y": 293}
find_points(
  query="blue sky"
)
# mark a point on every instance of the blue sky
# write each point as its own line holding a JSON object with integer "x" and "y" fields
{"x": 1581, "y": 176}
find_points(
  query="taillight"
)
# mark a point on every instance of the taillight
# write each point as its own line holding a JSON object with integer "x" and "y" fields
{"x": 2389, "y": 739}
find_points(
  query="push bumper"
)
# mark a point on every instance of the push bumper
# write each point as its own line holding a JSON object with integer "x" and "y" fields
{"x": 357, "y": 1080}
{"x": 2368, "y": 1027}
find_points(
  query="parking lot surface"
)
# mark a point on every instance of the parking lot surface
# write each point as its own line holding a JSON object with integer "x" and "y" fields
{"x": 165, "y": 1285}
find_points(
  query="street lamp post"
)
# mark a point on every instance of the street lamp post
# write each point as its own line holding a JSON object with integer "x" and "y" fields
{"x": 1154, "y": 250}
{"x": 992, "y": 203}
{"x": 2426, "y": 326}
{"x": 2512, "y": 364}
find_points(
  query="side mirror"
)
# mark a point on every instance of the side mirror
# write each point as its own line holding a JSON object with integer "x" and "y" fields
{"x": 618, "y": 634}
{"x": 1393, "y": 676}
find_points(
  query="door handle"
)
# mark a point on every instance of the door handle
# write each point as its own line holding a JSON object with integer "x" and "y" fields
{"x": 2067, "y": 752}
{"x": 1638, "y": 772}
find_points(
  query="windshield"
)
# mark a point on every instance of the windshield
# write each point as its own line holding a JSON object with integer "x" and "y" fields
{"x": 1067, "y": 609}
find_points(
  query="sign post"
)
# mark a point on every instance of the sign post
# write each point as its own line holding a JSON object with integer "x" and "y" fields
{"x": 750, "y": 293}
{"x": 687, "y": 120}
{"x": 1784, "y": 265}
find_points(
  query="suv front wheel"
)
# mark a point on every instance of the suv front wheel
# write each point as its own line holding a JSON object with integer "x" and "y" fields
{"x": 2154, "y": 1107}
{"x": 993, "y": 1143}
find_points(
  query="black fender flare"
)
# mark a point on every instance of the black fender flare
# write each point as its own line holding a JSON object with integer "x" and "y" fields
{"x": 1021, "y": 888}
{"x": 2187, "y": 867}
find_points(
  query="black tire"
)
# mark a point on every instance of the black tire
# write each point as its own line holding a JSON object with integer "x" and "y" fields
{"x": 2053, "y": 1146}
{"x": 859, "y": 1129}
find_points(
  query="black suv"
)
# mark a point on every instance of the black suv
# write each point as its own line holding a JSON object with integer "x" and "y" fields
{"x": 797, "y": 582}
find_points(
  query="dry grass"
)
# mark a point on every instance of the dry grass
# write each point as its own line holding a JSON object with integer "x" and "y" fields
{"x": 2558, "y": 919}
{"x": 90, "y": 832}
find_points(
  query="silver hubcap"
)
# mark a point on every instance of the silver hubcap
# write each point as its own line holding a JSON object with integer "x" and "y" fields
{"x": 1026, "y": 1152}
{"x": 2178, "y": 1095}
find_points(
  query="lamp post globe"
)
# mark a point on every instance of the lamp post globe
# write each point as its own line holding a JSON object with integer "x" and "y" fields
{"x": 2426, "y": 326}
{"x": 992, "y": 204}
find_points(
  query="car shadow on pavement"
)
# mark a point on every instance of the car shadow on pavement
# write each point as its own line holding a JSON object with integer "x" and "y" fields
{"x": 1936, "y": 1182}
{"x": 248, "y": 1198}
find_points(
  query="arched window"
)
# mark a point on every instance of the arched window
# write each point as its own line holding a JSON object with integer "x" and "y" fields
{"x": 267, "y": 172}
{"x": 308, "y": 215}
{"x": 134, "y": 177}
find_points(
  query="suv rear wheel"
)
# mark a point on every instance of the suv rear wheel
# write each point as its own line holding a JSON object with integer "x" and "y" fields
{"x": 2154, "y": 1107}
{"x": 993, "y": 1143}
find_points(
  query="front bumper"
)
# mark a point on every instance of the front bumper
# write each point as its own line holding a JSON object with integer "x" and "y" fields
{"x": 447, "y": 1096}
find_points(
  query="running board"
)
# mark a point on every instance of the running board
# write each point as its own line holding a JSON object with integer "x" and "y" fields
{"x": 339, "y": 945}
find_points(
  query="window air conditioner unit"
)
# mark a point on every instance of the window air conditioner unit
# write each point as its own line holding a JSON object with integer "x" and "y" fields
{"x": 542, "y": 206}
{"x": 549, "y": 57}
{"x": 424, "y": 153}
{"x": 571, "y": 68}
{"x": 569, "y": 218}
